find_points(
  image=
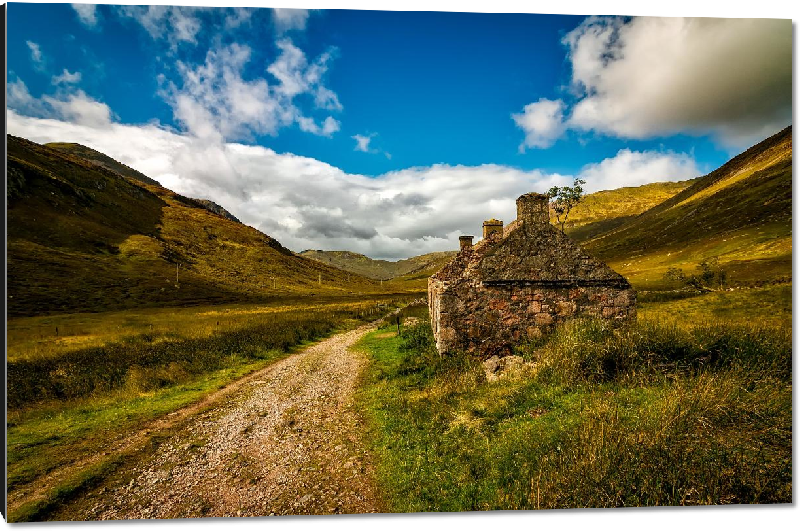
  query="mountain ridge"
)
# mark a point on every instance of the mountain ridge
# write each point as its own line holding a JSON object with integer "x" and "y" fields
{"x": 83, "y": 237}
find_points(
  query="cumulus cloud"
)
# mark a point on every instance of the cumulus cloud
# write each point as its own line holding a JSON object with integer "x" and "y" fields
{"x": 308, "y": 204}
{"x": 67, "y": 78}
{"x": 542, "y": 122}
{"x": 646, "y": 77}
{"x": 289, "y": 19}
{"x": 70, "y": 105}
{"x": 87, "y": 14}
{"x": 214, "y": 100}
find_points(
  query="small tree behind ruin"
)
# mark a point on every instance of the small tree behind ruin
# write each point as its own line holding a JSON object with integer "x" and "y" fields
{"x": 563, "y": 199}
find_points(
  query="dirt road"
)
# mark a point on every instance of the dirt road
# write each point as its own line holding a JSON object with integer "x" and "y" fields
{"x": 288, "y": 441}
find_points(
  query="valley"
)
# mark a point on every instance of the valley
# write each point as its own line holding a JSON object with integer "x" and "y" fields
{"x": 138, "y": 318}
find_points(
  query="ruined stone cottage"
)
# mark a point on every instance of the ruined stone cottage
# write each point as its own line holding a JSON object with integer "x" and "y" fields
{"x": 518, "y": 282}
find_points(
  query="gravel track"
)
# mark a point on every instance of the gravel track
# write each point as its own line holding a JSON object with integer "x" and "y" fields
{"x": 287, "y": 441}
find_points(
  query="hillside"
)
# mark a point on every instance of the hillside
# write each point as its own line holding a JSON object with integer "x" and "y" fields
{"x": 424, "y": 265}
{"x": 101, "y": 159}
{"x": 741, "y": 214}
{"x": 83, "y": 237}
{"x": 608, "y": 209}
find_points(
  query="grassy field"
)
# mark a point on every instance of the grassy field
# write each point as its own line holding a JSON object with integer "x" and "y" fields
{"x": 691, "y": 405}
{"x": 79, "y": 383}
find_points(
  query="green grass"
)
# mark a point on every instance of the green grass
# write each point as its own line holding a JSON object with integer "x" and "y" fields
{"x": 769, "y": 305}
{"x": 67, "y": 404}
{"x": 651, "y": 414}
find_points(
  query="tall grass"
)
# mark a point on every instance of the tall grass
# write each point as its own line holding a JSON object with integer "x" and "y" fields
{"x": 598, "y": 417}
{"x": 142, "y": 364}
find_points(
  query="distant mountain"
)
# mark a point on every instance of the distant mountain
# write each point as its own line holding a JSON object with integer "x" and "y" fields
{"x": 740, "y": 214}
{"x": 382, "y": 269}
{"x": 81, "y": 237}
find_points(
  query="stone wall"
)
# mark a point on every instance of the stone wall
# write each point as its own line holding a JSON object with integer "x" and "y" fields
{"x": 489, "y": 319}
{"x": 520, "y": 283}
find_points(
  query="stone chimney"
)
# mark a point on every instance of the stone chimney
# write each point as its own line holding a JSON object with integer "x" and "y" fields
{"x": 492, "y": 226}
{"x": 533, "y": 209}
{"x": 465, "y": 243}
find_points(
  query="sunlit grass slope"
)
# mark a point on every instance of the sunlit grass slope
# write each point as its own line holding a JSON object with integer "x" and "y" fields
{"x": 82, "y": 237}
{"x": 740, "y": 213}
{"x": 608, "y": 209}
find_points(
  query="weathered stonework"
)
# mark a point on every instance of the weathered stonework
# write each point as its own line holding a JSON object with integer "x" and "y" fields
{"x": 518, "y": 283}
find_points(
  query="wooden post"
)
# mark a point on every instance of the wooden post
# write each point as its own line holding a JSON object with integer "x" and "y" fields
{"x": 319, "y": 280}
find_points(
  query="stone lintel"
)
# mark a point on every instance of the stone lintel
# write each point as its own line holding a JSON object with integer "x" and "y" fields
{"x": 558, "y": 284}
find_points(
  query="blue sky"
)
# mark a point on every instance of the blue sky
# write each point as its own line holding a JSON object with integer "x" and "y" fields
{"x": 343, "y": 129}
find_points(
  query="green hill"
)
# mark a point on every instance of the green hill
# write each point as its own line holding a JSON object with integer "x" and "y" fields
{"x": 606, "y": 210}
{"x": 101, "y": 159}
{"x": 83, "y": 237}
{"x": 423, "y": 265}
{"x": 740, "y": 214}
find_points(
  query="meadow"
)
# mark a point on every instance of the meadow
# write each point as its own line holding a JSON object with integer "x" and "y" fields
{"x": 79, "y": 384}
{"x": 690, "y": 405}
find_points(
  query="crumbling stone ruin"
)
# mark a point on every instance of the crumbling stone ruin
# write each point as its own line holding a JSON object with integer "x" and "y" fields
{"x": 519, "y": 282}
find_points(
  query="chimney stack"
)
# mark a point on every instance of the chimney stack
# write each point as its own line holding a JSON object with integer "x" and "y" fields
{"x": 533, "y": 208}
{"x": 465, "y": 243}
{"x": 492, "y": 226}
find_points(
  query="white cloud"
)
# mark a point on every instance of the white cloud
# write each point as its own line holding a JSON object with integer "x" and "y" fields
{"x": 362, "y": 142}
{"x": 298, "y": 76}
{"x": 635, "y": 168}
{"x": 308, "y": 125}
{"x": 651, "y": 76}
{"x": 543, "y": 123}
{"x": 19, "y": 97}
{"x": 215, "y": 102}
{"x": 80, "y": 109}
{"x": 305, "y": 203}
{"x": 36, "y": 55}
{"x": 659, "y": 76}
{"x": 289, "y": 19}
{"x": 67, "y": 77}
{"x": 87, "y": 14}
{"x": 173, "y": 24}
{"x": 67, "y": 104}
{"x": 238, "y": 16}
